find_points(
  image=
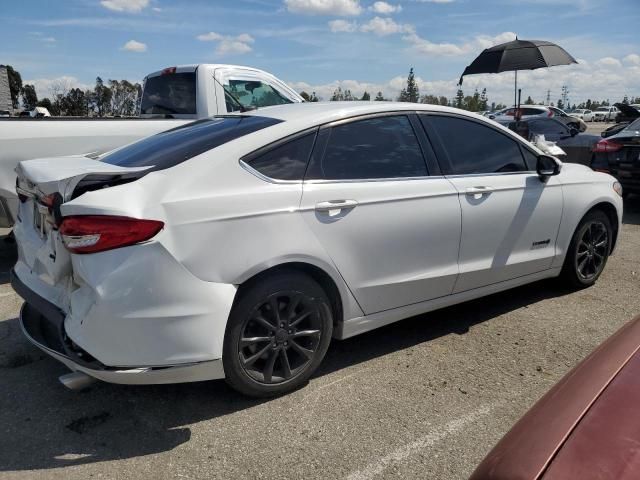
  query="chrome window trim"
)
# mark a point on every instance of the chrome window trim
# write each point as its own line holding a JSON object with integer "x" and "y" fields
{"x": 264, "y": 178}
{"x": 369, "y": 180}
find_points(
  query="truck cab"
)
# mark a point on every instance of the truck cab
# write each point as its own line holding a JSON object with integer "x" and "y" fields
{"x": 171, "y": 97}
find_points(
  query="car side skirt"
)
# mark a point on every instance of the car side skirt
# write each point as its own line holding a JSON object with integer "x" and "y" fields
{"x": 358, "y": 325}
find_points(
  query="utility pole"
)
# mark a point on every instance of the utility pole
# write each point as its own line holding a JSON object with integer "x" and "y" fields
{"x": 548, "y": 97}
{"x": 565, "y": 95}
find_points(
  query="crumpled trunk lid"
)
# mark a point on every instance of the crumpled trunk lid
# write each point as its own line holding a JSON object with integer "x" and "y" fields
{"x": 41, "y": 252}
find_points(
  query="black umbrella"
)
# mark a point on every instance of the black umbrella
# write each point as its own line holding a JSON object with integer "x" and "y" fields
{"x": 518, "y": 55}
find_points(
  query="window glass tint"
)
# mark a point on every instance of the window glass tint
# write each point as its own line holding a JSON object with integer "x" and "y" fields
{"x": 173, "y": 93}
{"x": 475, "y": 148}
{"x": 530, "y": 158}
{"x": 253, "y": 93}
{"x": 383, "y": 147}
{"x": 531, "y": 111}
{"x": 285, "y": 162}
{"x": 547, "y": 127}
{"x": 175, "y": 146}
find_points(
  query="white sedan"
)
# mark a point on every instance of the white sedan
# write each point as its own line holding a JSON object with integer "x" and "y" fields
{"x": 582, "y": 114}
{"x": 239, "y": 246}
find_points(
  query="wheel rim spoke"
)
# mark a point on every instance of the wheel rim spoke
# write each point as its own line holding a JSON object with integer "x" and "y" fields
{"x": 300, "y": 318}
{"x": 306, "y": 333}
{"x": 247, "y": 362}
{"x": 275, "y": 309}
{"x": 268, "y": 369}
{"x": 293, "y": 304}
{"x": 284, "y": 361}
{"x": 264, "y": 322}
{"x": 308, "y": 354}
{"x": 245, "y": 342}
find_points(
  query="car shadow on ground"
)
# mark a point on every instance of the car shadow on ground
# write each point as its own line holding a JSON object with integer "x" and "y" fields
{"x": 631, "y": 210}
{"x": 46, "y": 426}
{"x": 8, "y": 257}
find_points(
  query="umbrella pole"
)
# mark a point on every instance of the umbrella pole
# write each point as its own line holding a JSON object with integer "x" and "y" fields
{"x": 515, "y": 91}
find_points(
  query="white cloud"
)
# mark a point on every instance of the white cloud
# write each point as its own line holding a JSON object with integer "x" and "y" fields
{"x": 435, "y": 1}
{"x": 47, "y": 87}
{"x": 209, "y": 37}
{"x": 342, "y": 26}
{"x": 385, "y": 26}
{"x": 585, "y": 80}
{"x": 422, "y": 45}
{"x": 385, "y": 8}
{"x": 633, "y": 59}
{"x": 340, "y": 8}
{"x": 608, "y": 62}
{"x": 49, "y": 39}
{"x": 131, "y": 6}
{"x": 134, "y": 46}
{"x": 228, "y": 44}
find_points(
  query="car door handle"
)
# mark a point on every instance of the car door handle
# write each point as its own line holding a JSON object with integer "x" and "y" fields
{"x": 478, "y": 190}
{"x": 335, "y": 205}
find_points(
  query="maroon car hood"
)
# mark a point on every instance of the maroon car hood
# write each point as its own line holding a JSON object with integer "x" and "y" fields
{"x": 538, "y": 440}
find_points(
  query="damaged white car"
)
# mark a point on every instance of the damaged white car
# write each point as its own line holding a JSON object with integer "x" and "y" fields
{"x": 238, "y": 246}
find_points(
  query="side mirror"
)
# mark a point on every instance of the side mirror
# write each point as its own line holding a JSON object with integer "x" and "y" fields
{"x": 547, "y": 166}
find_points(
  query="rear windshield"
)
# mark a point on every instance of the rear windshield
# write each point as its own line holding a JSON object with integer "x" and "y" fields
{"x": 635, "y": 125}
{"x": 174, "y": 93}
{"x": 178, "y": 145}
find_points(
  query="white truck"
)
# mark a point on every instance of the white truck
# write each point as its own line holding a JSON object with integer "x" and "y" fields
{"x": 170, "y": 98}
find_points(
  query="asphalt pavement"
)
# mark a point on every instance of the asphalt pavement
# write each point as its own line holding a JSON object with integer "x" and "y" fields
{"x": 426, "y": 397}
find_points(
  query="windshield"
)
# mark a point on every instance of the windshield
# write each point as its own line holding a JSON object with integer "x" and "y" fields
{"x": 173, "y": 93}
{"x": 178, "y": 145}
{"x": 603, "y": 109}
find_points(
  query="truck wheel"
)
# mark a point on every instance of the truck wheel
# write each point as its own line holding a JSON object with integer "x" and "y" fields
{"x": 279, "y": 331}
{"x": 588, "y": 251}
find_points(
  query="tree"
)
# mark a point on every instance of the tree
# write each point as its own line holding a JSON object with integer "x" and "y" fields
{"x": 625, "y": 100}
{"x": 29, "y": 97}
{"x": 459, "y": 100}
{"x": 348, "y": 97}
{"x": 46, "y": 103}
{"x": 411, "y": 93}
{"x": 100, "y": 98}
{"x": 365, "y": 96}
{"x": 560, "y": 104}
{"x": 430, "y": 99}
{"x": 338, "y": 95}
{"x": 379, "y": 97}
{"x": 483, "y": 100}
{"x": 124, "y": 97}
{"x": 306, "y": 96}
{"x": 15, "y": 85}
{"x": 443, "y": 101}
{"x": 74, "y": 103}
{"x": 529, "y": 101}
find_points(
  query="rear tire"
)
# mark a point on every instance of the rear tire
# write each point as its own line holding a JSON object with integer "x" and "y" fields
{"x": 588, "y": 252}
{"x": 278, "y": 332}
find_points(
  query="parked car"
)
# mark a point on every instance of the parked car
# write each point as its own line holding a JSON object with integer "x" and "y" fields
{"x": 619, "y": 155}
{"x": 238, "y": 246}
{"x": 583, "y": 114}
{"x": 578, "y": 146}
{"x": 170, "y": 98}
{"x": 628, "y": 113}
{"x": 605, "y": 114}
{"x": 587, "y": 426}
{"x": 5, "y": 113}
{"x": 540, "y": 111}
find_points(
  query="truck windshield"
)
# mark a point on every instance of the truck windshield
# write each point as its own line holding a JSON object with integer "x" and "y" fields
{"x": 173, "y": 93}
{"x": 178, "y": 145}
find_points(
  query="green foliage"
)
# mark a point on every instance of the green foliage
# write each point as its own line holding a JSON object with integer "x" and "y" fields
{"x": 529, "y": 101}
{"x": 29, "y": 97}
{"x": 411, "y": 93}
{"x": 309, "y": 98}
{"x": 15, "y": 85}
{"x": 379, "y": 97}
{"x": 74, "y": 103}
{"x": 365, "y": 96}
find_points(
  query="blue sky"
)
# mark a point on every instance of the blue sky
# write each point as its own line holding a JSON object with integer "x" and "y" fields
{"x": 320, "y": 44}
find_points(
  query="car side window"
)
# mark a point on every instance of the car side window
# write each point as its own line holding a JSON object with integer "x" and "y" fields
{"x": 473, "y": 148}
{"x": 380, "y": 147}
{"x": 547, "y": 127}
{"x": 284, "y": 162}
{"x": 252, "y": 93}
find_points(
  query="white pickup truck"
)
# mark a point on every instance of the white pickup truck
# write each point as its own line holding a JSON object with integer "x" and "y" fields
{"x": 171, "y": 97}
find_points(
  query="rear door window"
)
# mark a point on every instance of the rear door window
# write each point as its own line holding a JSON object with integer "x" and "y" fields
{"x": 380, "y": 147}
{"x": 473, "y": 148}
{"x": 166, "y": 149}
{"x": 173, "y": 93}
{"x": 287, "y": 161}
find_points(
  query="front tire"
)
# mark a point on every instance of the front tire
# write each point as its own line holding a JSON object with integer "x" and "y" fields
{"x": 278, "y": 332}
{"x": 588, "y": 252}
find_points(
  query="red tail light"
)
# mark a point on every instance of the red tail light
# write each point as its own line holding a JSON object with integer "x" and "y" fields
{"x": 550, "y": 113}
{"x": 607, "y": 146}
{"x": 168, "y": 71}
{"x": 97, "y": 233}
